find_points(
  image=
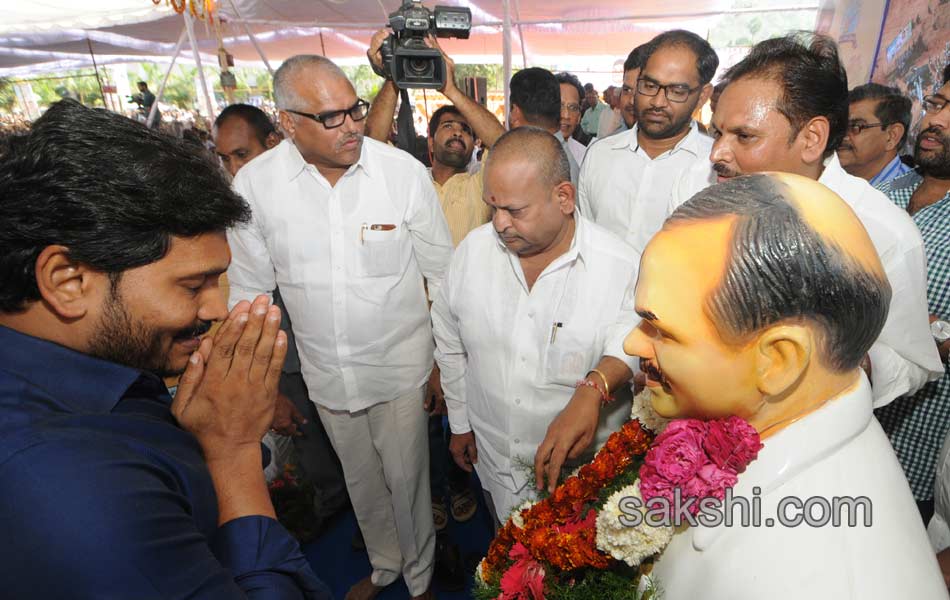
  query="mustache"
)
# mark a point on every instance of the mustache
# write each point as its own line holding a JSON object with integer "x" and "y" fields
{"x": 936, "y": 132}
{"x": 723, "y": 170}
{"x": 199, "y": 329}
{"x": 458, "y": 141}
{"x": 653, "y": 372}
{"x": 349, "y": 138}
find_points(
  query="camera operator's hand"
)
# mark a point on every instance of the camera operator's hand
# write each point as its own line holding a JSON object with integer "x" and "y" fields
{"x": 374, "y": 54}
{"x": 449, "y": 66}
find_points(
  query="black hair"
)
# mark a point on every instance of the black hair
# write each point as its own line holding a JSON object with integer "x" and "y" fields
{"x": 538, "y": 94}
{"x": 637, "y": 58}
{"x": 946, "y": 74}
{"x": 813, "y": 80}
{"x": 706, "y": 59}
{"x": 571, "y": 79}
{"x": 107, "y": 188}
{"x": 892, "y": 106}
{"x": 436, "y": 117}
{"x": 253, "y": 116}
{"x": 779, "y": 268}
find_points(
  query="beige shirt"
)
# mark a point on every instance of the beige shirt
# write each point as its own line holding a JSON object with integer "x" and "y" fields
{"x": 461, "y": 200}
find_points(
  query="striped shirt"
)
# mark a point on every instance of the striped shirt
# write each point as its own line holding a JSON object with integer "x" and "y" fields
{"x": 461, "y": 200}
{"x": 891, "y": 170}
{"x": 918, "y": 424}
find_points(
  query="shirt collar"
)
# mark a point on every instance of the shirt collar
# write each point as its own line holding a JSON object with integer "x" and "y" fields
{"x": 799, "y": 446}
{"x": 82, "y": 382}
{"x": 883, "y": 173}
{"x": 295, "y": 163}
{"x": 833, "y": 172}
{"x": 628, "y": 139}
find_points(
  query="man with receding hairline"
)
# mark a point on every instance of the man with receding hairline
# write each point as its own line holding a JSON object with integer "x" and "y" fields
{"x": 530, "y": 302}
{"x": 348, "y": 228}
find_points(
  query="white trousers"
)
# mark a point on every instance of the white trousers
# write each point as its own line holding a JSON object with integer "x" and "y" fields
{"x": 384, "y": 451}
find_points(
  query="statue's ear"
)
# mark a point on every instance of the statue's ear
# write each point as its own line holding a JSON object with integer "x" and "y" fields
{"x": 782, "y": 356}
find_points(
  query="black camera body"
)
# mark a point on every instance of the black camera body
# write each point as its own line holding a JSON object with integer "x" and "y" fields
{"x": 407, "y": 60}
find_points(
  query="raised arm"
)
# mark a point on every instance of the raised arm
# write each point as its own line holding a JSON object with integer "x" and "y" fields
{"x": 379, "y": 122}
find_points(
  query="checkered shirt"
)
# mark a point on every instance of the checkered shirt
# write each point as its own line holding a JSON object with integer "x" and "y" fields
{"x": 918, "y": 424}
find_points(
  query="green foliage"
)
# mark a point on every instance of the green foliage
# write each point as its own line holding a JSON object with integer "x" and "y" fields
{"x": 748, "y": 29}
{"x": 7, "y": 95}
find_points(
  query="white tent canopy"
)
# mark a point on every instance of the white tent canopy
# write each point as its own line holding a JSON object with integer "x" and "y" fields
{"x": 56, "y": 35}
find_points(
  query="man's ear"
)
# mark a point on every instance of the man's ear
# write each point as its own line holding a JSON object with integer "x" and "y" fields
{"x": 815, "y": 134}
{"x": 68, "y": 287}
{"x": 287, "y": 124}
{"x": 895, "y": 132}
{"x": 782, "y": 356}
{"x": 515, "y": 117}
{"x": 704, "y": 96}
{"x": 271, "y": 140}
{"x": 565, "y": 195}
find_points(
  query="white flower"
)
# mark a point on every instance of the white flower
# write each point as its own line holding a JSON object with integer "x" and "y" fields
{"x": 642, "y": 410}
{"x": 516, "y": 517}
{"x": 629, "y": 544}
{"x": 479, "y": 579}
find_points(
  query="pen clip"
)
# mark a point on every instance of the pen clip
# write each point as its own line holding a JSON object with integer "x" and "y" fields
{"x": 362, "y": 229}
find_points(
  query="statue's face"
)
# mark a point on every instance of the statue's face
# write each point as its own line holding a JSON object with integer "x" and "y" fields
{"x": 691, "y": 370}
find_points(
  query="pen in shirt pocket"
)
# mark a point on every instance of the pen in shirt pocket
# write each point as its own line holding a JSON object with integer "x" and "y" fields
{"x": 375, "y": 227}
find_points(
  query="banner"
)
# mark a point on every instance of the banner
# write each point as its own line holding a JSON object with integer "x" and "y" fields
{"x": 856, "y": 26}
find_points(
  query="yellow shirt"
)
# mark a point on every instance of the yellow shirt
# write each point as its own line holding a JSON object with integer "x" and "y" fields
{"x": 461, "y": 199}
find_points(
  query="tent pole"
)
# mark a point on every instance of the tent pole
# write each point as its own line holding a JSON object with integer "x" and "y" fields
{"x": 96, "y": 68}
{"x": 161, "y": 88}
{"x": 524, "y": 51}
{"x": 189, "y": 27}
{"x": 506, "y": 57}
{"x": 247, "y": 30}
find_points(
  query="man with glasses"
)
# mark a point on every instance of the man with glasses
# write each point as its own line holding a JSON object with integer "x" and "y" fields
{"x": 917, "y": 425}
{"x": 878, "y": 124}
{"x": 349, "y": 228}
{"x": 785, "y": 108}
{"x": 571, "y": 94}
{"x": 626, "y": 179}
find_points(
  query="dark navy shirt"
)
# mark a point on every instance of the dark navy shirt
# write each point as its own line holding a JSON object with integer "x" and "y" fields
{"x": 103, "y": 495}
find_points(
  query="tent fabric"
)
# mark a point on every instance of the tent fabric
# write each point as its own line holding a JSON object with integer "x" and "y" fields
{"x": 52, "y": 35}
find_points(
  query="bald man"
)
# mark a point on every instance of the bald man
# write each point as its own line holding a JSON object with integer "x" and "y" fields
{"x": 735, "y": 288}
{"x": 349, "y": 228}
{"x": 531, "y": 301}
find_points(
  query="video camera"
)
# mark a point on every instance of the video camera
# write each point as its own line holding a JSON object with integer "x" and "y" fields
{"x": 407, "y": 60}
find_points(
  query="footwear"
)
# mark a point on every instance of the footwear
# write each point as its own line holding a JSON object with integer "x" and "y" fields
{"x": 464, "y": 505}
{"x": 448, "y": 571}
{"x": 440, "y": 516}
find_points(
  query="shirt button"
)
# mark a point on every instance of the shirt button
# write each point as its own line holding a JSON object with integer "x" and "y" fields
{"x": 517, "y": 441}
{"x": 517, "y": 400}
{"x": 524, "y": 359}
{"x": 531, "y": 314}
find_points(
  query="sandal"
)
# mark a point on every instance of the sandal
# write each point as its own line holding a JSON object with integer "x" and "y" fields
{"x": 464, "y": 505}
{"x": 440, "y": 516}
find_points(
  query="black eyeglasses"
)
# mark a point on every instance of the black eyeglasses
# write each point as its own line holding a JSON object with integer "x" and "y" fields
{"x": 335, "y": 118}
{"x": 856, "y": 127}
{"x": 935, "y": 103}
{"x": 675, "y": 92}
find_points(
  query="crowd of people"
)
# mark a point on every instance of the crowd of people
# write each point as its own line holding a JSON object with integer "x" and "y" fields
{"x": 407, "y": 326}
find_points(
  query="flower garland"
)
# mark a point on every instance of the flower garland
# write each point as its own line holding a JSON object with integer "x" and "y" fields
{"x": 578, "y": 533}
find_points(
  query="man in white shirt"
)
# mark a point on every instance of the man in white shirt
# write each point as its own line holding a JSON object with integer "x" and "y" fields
{"x": 571, "y": 94}
{"x": 348, "y": 228}
{"x": 536, "y": 101}
{"x": 626, "y": 179}
{"x": 610, "y": 118}
{"x": 530, "y": 304}
{"x": 785, "y": 108}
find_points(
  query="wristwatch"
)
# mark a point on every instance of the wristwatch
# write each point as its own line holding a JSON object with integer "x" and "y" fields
{"x": 940, "y": 330}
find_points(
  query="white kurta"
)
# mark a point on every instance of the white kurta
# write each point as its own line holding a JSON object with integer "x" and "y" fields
{"x": 505, "y": 377}
{"x": 622, "y": 189}
{"x": 354, "y": 292}
{"x": 839, "y": 450}
{"x": 904, "y": 357}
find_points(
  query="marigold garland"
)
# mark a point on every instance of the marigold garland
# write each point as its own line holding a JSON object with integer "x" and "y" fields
{"x": 555, "y": 530}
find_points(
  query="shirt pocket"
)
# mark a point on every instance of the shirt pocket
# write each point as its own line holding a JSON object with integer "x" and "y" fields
{"x": 381, "y": 251}
{"x": 571, "y": 355}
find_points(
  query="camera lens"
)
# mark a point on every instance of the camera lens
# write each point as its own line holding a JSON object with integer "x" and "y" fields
{"x": 419, "y": 67}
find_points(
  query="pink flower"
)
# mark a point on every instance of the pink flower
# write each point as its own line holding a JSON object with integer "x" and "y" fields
{"x": 732, "y": 443}
{"x": 678, "y": 453}
{"x": 710, "y": 482}
{"x": 524, "y": 580}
